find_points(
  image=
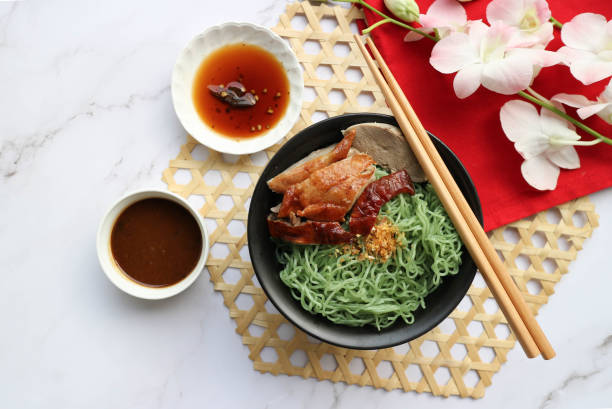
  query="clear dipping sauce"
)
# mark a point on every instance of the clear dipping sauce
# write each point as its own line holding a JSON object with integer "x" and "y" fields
{"x": 260, "y": 73}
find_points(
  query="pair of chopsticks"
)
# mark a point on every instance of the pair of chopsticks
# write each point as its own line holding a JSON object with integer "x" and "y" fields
{"x": 508, "y": 297}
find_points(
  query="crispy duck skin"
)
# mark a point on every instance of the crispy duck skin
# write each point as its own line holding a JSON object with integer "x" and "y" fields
{"x": 375, "y": 195}
{"x": 309, "y": 232}
{"x": 329, "y": 193}
{"x": 302, "y": 171}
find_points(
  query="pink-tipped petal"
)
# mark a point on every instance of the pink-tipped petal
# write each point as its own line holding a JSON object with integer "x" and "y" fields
{"x": 444, "y": 13}
{"x": 586, "y": 66}
{"x": 501, "y": 33}
{"x": 566, "y": 157}
{"x": 589, "y": 71}
{"x": 586, "y": 31}
{"x": 519, "y": 120}
{"x": 453, "y": 53}
{"x": 572, "y": 100}
{"x": 538, "y": 56}
{"x": 508, "y": 11}
{"x": 545, "y": 34}
{"x": 545, "y": 58}
{"x": 542, "y": 10}
{"x": 467, "y": 80}
{"x": 591, "y": 110}
{"x": 540, "y": 173}
{"x": 477, "y": 30}
{"x": 412, "y": 36}
{"x": 538, "y": 38}
{"x": 568, "y": 55}
{"x": 507, "y": 76}
{"x": 606, "y": 95}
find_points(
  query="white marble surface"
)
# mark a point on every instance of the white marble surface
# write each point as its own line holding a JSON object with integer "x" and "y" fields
{"x": 86, "y": 116}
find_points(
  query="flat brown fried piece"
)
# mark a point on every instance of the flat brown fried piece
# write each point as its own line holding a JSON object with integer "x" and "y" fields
{"x": 309, "y": 232}
{"x": 329, "y": 193}
{"x": 317, "y": 160}
{"x": 379, "y": 192}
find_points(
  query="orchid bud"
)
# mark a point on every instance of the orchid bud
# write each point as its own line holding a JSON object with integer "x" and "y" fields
{"x": 407, "y": 10}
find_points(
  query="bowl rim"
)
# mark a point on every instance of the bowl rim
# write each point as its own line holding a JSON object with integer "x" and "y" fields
{"x": 109, "y": 265}
{"x": 181, "y": 88}
{"x": 260, "y": 185}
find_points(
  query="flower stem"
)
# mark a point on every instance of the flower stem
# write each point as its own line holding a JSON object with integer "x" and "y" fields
{"x": 386, "y": 17}
{"x": 555, "y": 22}
{"x": 537, "y": 95}
{"x": 437, "y": 34}
{"x": 562, "y": 114}
{"x": 373, "y": 26}
{"x": 576, "y": 143}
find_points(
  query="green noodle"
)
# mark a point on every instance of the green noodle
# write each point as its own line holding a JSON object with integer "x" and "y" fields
{"x": 350, "y": 291}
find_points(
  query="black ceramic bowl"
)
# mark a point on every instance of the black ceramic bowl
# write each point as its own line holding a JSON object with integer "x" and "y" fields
{"x": 439, "y": 304}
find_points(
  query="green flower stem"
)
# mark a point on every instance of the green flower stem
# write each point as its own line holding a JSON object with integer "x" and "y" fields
{"x": 437, "y": 34}
{"x": 574, "y": 143}
{"x": 373, "y": 26}
{"x": 562, "y": 114}
{"x": 537, "y": 95}
{"x": 555, "y": 22}
{"x": 390, "y": 20}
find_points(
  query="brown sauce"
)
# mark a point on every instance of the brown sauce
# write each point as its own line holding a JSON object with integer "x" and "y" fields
{"x": 258, "y": 71}
{"x": 156, "y": 242}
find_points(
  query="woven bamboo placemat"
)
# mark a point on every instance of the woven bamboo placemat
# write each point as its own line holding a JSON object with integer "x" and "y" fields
{"x": 460, "y": 356}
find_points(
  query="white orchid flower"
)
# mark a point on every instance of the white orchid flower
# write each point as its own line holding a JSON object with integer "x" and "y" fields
{"x": 488, "y": 56}
{"x": 544, "y": 141}
{"x": 586, "y": 108}
{"x": 530, "y": 17}
{"x": 588, "y": 50}
{"x": 445, "y": 16}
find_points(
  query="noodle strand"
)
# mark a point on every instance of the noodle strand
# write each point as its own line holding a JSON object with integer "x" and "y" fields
{"x": 350, "y": 291}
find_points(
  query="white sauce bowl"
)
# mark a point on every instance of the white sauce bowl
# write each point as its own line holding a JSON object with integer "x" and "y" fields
{"x": 112, "y": 269}
{"x": 191, "y": 58}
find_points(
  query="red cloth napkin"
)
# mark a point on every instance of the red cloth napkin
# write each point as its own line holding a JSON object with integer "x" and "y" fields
{"x": 471, "y": 127}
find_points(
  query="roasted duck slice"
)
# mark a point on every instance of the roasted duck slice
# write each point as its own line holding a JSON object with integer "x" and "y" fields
{"x": 375, "y": 195}
{"x": 329, "y": 193}
{"x": 387, "y": 145}
{"x": 309, "y": 232}
{"x": 315, "y": 161}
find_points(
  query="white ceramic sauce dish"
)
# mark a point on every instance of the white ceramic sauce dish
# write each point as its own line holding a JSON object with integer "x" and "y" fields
{"x": 112, "y": 269}
{"x": 196, "y": 51}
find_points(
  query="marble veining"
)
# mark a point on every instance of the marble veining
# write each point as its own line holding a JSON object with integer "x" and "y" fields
{"x": 600, "y": 368}
{"x": 86, "y": 116}
{"x": 14, "y": 151}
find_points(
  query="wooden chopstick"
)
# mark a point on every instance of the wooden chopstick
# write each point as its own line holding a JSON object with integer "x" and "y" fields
{"x": 498, "y": 267}
{"x": 436, "y": 179}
